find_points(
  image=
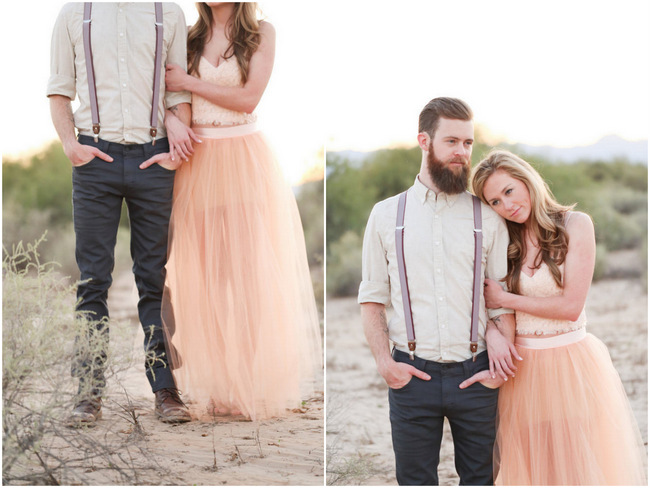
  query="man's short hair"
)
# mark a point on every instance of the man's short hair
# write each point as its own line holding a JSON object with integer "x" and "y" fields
{"x": 449, "y": 108}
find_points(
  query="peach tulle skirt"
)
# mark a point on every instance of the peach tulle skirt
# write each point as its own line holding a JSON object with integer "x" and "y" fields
{"x": 239, "y": 313}
{"x": 565, "y": 419}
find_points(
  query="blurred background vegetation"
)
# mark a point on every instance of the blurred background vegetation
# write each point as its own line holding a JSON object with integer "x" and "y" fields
{"x": 613, "y": 192}
{"x": 37, "y": 197}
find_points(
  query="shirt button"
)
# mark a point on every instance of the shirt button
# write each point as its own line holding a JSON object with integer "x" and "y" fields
{"x": 437, "y": 243}
{"x": 124, "y": 85}
{"x": 126, "y": 110}
{"x": 122, "y": 59}
{"x": 121, "y": 34}
{"x": 441, "y": 298}
{"x": 443, "y": 326}
{"x": 438, "y": 270}
{"x": 436, "y": 216}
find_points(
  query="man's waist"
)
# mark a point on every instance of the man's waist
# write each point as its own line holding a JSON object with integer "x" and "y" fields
{"x": 440, "y": 352}
{"x": 421, "y": 363}
{"x": 146, "y": 149}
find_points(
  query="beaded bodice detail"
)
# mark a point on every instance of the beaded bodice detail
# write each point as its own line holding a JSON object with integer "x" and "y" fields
{"x": 206, "y": 112}
{"x": 542, "y": 284}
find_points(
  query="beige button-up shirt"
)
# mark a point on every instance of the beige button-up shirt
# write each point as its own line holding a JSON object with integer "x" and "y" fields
{"x": 123, "y": 40}
{"x": 439, "y": 256}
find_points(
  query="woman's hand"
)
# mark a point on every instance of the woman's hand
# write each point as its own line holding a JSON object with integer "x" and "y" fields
{"x": 175, "y": 78}
{"x": 494, "y": 294}
{"x": 500, "y": 353}
{"x": 180, "y": 137}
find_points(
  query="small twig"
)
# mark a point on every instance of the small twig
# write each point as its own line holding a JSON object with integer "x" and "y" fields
{"x": 257, "y": 441}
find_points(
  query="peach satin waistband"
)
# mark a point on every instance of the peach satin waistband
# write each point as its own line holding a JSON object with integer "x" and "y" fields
{"x": 551, "y": 342}
{"x": 225, "y": 132}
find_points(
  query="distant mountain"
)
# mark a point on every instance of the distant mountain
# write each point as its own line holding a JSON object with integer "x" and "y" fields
{"x": 607, "y": 148}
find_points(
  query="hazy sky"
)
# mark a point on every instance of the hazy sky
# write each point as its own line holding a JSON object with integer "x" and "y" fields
{"x": 355, "y": 74}
{"x": 553, "y": 72}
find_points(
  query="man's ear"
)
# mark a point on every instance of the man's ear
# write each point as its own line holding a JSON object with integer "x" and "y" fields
{"x": 423, "y": 141}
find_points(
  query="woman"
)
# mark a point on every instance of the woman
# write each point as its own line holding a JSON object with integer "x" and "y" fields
{"x": 564, "y": 419}
{"x": 240, "y": 314}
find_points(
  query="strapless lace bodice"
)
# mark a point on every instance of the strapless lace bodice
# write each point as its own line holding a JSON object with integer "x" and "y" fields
{"x": 205, "y": 112}
{"x": 542, "y": 284}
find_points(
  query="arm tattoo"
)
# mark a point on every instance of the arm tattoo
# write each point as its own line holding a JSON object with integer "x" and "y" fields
{"x": 70, "y": 114}
{"x": 174, "y": 109}
{"x": 383, "y": 322}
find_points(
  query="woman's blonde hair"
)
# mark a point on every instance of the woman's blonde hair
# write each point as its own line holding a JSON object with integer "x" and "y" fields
{"x": 547, "y": 216}
{"x": 243, "y": 32}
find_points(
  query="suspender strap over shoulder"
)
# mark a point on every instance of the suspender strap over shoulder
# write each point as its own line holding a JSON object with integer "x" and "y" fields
{"x": 478, "y": 258}
{"x": 401, "y": 266}
{"x": 92, "y": 90}
{"x": 156, "y": 77}
{"x": 90, "y": 69}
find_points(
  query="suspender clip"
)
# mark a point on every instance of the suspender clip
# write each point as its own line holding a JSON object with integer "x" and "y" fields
{"x": 411, "y": 350}
{"x": 473, "y": 346}
{"x": 96, "y": 132}
{"x": 153, "y": 131}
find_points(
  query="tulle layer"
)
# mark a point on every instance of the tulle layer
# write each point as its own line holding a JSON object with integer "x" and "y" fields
{"x": 565, "y": 420}
{"x": 239, "y": 312}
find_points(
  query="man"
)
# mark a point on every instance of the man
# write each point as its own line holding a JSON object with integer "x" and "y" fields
{"x": 439, "y": 262}
{"x": 106, "y": 169}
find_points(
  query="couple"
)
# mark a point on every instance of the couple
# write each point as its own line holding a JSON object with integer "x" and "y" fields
{"x": 564, "y": 418}
{"x": 231, "y": 317}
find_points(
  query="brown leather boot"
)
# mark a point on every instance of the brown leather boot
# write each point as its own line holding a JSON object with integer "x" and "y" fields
{"x": 85, "y": 414}
{"x": 170, "y": 408}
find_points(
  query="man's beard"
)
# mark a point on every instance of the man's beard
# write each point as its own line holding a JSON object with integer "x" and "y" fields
{"x": 445, "y": 178}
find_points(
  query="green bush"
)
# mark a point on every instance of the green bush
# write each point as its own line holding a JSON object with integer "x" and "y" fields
{"x": 344, "y": 265}
{"x": 310, "y": 205}
{"x": 616, "y": 231}
{"x": 601, "y": 262}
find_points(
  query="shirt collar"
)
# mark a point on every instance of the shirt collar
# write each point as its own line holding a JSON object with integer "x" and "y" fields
{"x": 423, "y": 193}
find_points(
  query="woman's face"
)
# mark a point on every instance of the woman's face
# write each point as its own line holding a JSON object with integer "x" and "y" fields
{"x": 508, "y": 196}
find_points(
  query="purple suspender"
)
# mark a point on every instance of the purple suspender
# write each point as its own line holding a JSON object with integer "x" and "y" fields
{"x": 401, "y": 265}
{"x": 478, "y": 257}
{"x": 156, "y": 76}
{"x": 90, "y": 70}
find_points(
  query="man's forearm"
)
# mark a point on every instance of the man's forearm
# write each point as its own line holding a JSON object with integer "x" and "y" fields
{"x": 375, "y": 328}
{"x": 62, "y": 118}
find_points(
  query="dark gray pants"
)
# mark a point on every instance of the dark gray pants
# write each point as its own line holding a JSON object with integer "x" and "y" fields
{"x": 98, "y": 189}
{"x": 417, "y": 413}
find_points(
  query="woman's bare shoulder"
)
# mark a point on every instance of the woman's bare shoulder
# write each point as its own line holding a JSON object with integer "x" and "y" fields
{"x": 579, "y": 224}
{"x": 266, "y": 28}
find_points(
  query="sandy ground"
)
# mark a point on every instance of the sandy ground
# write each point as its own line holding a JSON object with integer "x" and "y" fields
{"x": 228, "y": 451}
{"x": 358, "y": 429}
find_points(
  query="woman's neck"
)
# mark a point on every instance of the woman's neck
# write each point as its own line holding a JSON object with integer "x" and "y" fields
{"x": 221, "y": 15}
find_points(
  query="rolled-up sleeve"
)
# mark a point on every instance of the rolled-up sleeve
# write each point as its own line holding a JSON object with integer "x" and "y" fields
{"x": 497, "y": 261}
{"x": 177, "y": 54}
{"x": 375, "y": 282}
{"x": 62, "y": 80}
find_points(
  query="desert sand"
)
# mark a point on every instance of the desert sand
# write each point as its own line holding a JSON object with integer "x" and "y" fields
{"x": 226, "y": 451}
{"x": 359, "y": 449}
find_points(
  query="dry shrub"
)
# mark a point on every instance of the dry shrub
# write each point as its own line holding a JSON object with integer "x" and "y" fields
{"x": 38, "y": 333}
